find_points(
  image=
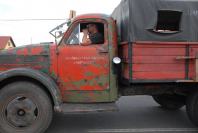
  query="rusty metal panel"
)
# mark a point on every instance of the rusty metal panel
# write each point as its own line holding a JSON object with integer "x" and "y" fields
{"x": 83, "y": 68}
{"x": 32, "y": 56}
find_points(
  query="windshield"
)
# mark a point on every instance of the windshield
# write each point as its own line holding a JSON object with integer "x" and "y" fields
{"x": 58, "y": 31}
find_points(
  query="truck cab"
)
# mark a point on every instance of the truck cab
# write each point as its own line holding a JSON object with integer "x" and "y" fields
{"x": 85, "y": 72}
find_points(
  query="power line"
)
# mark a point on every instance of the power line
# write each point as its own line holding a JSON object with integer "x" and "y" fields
{"x": 5, "y": 20}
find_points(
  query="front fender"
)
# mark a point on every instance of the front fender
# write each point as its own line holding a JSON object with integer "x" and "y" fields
{"x": 41, "y": 77}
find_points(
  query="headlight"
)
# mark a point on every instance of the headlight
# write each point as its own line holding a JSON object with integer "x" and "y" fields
{"x": 116, "y": 60}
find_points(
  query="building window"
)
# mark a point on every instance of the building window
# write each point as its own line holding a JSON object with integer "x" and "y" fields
{"x": 168, "y": 21}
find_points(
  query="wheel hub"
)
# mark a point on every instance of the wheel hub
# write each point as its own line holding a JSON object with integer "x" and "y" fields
{"x": 21, "y": 112}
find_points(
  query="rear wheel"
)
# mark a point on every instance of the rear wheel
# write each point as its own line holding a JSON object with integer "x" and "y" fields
{"x": 24, "y": 108}
{"x": 170, "y": 102}
{"x": 192, "y": 107}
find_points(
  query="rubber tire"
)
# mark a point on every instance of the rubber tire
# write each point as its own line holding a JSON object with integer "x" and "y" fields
{"x": 192, "y": 107}
{"x": 36, "y": 94}
{"x": 170, "y": 102}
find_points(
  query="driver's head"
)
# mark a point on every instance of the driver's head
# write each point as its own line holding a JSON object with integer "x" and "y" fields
{"x": 92, "y": 28}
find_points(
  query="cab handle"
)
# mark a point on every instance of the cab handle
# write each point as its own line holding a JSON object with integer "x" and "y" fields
{"x": 102, "y": 50}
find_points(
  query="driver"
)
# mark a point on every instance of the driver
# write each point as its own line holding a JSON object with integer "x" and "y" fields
{"x": 92, "y": 35}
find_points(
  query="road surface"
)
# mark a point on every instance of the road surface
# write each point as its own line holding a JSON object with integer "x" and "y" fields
{"x": 137, "y": 114}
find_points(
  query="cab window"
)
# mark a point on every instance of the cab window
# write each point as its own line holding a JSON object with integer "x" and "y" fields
{"x": 75, "y": 36}
{"x": 84, "y": 31}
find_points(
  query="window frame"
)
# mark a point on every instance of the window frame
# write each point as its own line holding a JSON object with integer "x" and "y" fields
{"x": 77, "y": 22}
{"x": 163, "y": 31}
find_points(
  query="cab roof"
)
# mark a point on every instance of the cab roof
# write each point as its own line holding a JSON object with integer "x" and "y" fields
{"x": 92, "y": 16}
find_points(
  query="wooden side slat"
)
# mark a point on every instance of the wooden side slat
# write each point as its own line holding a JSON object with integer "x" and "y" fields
{"x": 156, "y": 60}
{"x": 158, "y": 75}
{"x": 158, "y": 51}
{"x": 158, "y": 68}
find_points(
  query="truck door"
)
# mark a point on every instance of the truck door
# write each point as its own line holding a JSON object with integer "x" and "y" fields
{"x": 83, "y": 68}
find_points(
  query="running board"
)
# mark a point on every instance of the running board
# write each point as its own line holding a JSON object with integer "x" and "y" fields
{"x": 68, "y": 108}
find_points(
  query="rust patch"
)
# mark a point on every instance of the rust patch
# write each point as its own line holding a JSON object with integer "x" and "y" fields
{"x": 32, "y": 56}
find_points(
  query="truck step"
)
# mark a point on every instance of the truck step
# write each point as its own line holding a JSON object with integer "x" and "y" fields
{"x": 87, "y": 108}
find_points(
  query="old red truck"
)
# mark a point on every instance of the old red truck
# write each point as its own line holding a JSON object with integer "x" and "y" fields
{"x": 148, "y": 49}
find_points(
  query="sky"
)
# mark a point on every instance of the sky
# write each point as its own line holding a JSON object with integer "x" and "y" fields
{"x": 28, "y": 32}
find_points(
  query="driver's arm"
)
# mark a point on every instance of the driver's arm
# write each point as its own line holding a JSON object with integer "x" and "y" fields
{"x": 85, "y": 39}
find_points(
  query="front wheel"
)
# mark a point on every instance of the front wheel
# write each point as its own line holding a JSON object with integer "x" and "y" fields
{"x": 24, "y": 108}
{"x": 170, "y": 102}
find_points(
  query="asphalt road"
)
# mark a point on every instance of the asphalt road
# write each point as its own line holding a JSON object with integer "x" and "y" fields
{"x": 138, "y": 114}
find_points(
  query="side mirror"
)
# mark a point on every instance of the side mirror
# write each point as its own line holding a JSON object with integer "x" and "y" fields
{"x": 58, "y": 36}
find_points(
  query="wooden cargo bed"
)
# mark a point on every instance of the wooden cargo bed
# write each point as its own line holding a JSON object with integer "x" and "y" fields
{"x": 159, "y": 61}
